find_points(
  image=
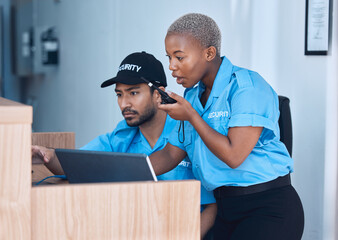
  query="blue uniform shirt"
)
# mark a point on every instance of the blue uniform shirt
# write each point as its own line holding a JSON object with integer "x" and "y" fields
{"x": 238, "y": 98}
{"x": 131, "y": 140}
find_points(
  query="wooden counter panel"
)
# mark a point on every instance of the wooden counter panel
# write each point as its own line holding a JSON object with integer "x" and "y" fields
{"x": 147, "y": 210}
{"x": 13, "y": 112}
{"x": 54, "y": 139}
{"x": 15, "y": 181}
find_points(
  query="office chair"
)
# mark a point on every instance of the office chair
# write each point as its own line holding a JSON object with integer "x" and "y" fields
{"x": 285, "y": 123}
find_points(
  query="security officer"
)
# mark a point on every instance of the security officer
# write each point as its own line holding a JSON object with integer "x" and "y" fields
{"x": 231, "y": 135}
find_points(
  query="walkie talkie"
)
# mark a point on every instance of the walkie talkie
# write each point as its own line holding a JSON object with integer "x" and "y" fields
{"x": 165, "y": 97}
{"x": 167, "y": 100}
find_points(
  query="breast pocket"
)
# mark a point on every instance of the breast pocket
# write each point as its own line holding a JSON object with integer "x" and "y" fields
{"x": 220, "y": 125}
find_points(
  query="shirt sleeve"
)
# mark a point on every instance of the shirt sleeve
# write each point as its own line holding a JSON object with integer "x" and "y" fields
{"x": 255, "y": 105}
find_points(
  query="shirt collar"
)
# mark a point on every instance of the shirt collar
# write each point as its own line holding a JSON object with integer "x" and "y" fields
{"x": 168, "y": 126}
{"x": 222, "y": 79}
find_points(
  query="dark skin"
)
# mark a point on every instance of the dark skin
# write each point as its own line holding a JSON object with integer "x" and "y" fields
{"x": 190, "y": 63}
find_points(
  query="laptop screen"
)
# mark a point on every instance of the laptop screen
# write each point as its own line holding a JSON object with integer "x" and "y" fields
{"x": 82, "y": 166}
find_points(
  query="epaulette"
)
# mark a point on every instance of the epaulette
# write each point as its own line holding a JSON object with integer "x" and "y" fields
{"x": 243, "y": 78}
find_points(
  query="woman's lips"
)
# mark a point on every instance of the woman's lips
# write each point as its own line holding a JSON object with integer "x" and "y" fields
{"x": 179, "y": 80}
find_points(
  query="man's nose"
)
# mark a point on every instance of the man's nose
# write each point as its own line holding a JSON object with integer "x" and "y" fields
{"x": 124, "y": 102}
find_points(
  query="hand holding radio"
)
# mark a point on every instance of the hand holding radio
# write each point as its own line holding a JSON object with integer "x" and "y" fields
{"x": 165, "y": 97}
{"x": 168, "y": 100}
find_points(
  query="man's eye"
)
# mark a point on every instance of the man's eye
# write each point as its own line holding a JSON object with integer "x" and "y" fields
{"x": 133, "y": 93}
{"x": 179, "y": 58}
{"x": 118, "y": 94}
{"x": 168, "y": 57}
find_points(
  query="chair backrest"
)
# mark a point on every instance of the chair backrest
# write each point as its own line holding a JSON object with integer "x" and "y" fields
{"x": 285, "y": 122}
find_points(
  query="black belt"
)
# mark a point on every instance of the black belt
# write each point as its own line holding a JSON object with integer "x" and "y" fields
{"x": 226, "y": 191}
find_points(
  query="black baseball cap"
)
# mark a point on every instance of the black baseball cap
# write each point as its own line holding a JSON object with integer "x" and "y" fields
{"x": 137, "y": 65}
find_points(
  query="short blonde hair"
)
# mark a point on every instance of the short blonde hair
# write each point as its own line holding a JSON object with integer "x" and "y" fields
{"x": 201, "y": 27}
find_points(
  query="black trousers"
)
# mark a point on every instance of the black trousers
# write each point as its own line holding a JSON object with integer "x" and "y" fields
{"x": 275, "y": 214}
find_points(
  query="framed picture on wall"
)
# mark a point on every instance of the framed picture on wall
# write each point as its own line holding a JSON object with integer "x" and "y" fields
{"x": 317, "y": 25}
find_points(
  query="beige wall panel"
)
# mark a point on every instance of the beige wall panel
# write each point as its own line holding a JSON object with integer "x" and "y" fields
{"x": 158, "y": 210}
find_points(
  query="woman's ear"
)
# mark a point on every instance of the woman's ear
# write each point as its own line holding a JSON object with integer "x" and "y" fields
{"x": 210, "y": 53}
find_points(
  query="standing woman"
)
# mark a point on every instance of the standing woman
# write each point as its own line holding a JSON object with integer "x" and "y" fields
{"x": 231, "y": 136}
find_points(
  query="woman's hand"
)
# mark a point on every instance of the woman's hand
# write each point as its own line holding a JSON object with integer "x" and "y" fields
{"x": 182, "y": 110}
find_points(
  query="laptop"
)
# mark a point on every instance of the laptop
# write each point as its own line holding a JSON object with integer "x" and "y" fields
{"x": 82, "y": 166}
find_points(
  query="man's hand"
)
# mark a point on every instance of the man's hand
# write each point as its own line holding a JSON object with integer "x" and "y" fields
{"x": 41, "y": 154}
{"x": 47, "y": 156}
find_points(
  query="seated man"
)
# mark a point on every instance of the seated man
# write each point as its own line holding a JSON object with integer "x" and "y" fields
{"x": 145, "y": 129}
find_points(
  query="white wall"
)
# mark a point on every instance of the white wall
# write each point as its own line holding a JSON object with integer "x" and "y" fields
{"x": 266, "y": 36}
{"x": 330, "y": 224}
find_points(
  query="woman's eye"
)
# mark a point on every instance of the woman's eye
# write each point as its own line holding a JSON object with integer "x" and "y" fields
{"x": 179, "y": 58}
{"x": 168, "y": 57}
